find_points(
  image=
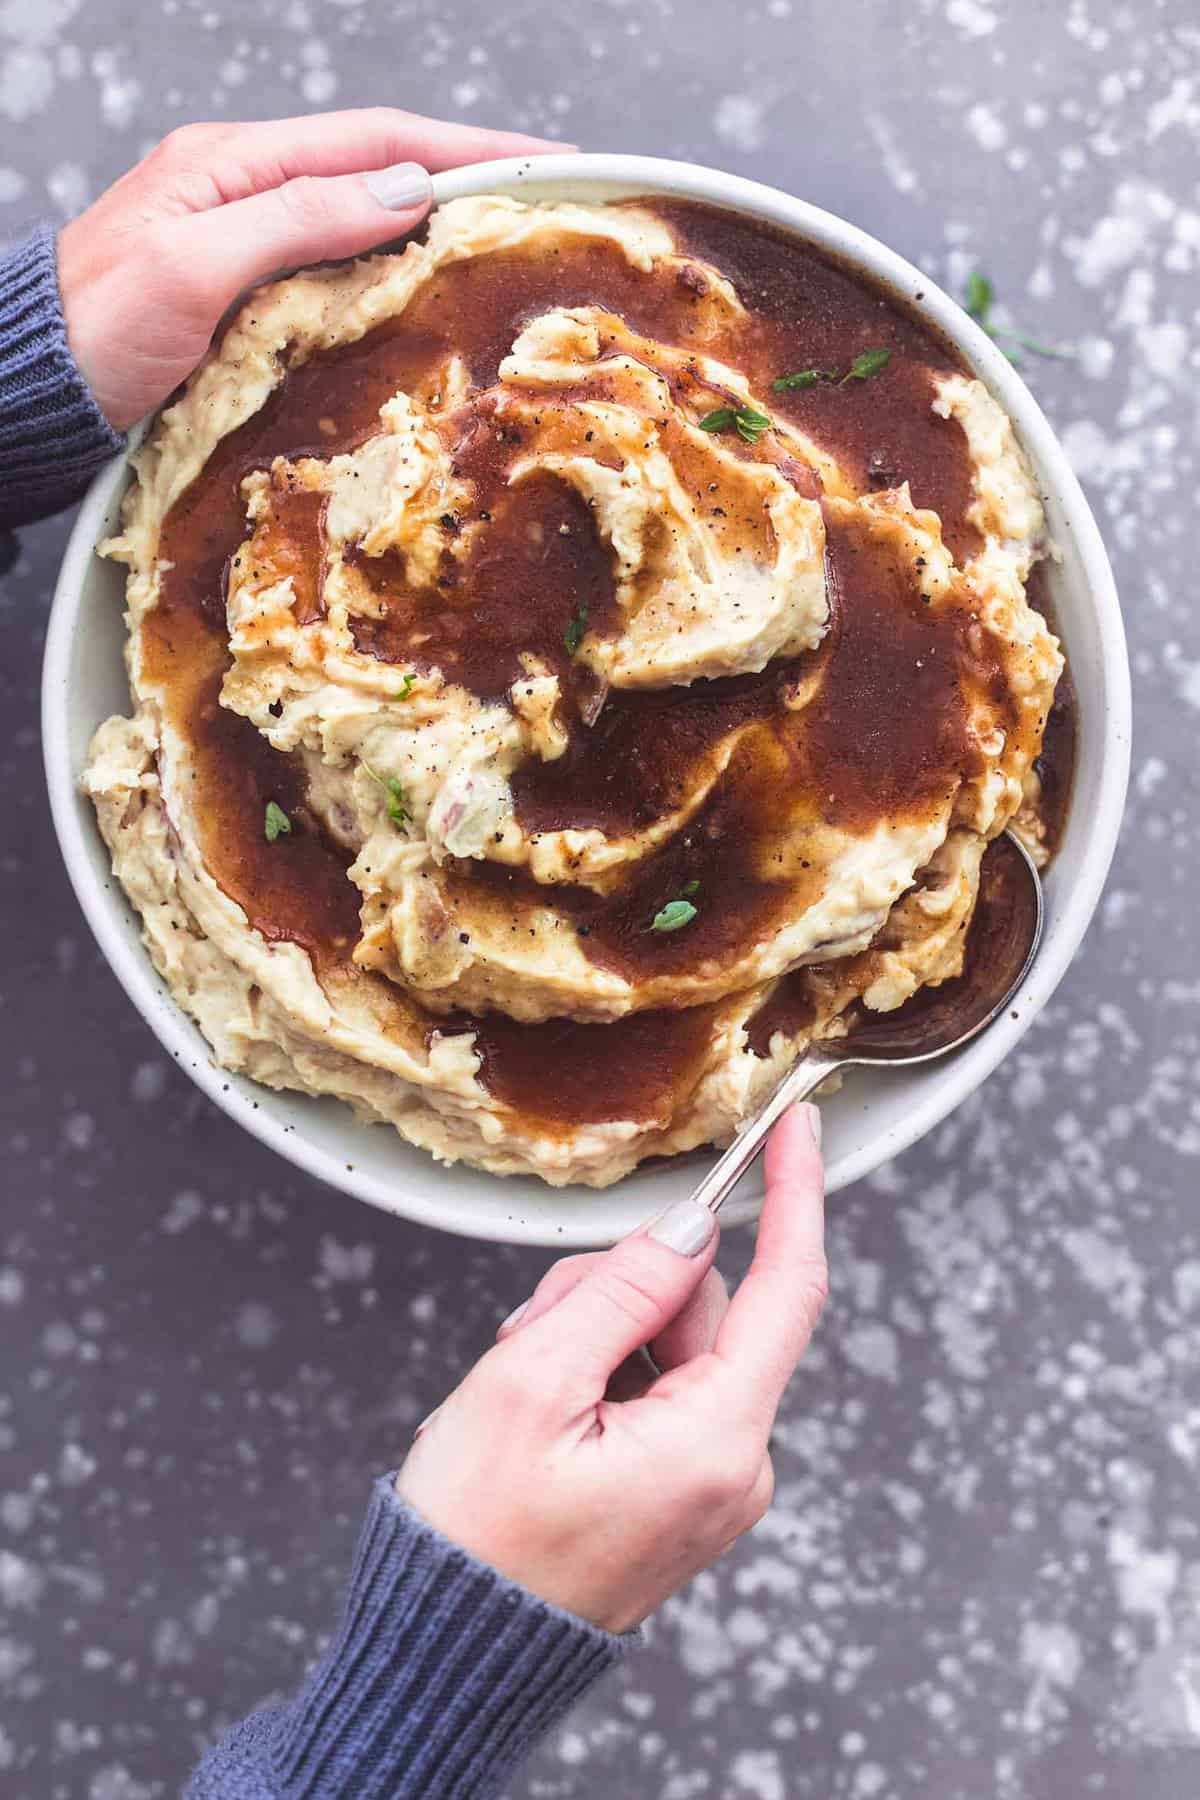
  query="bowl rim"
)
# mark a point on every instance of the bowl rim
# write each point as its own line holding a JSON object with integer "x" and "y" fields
{"x": 106, "y": 908}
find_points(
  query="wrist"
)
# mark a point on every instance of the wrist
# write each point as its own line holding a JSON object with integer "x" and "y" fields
{"x": 534, "y": 1551}
{"x": 84, "y": 310}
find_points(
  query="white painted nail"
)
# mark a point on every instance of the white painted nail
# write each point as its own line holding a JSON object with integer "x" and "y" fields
{"x": 514, "y": 1318}
{"x": 814, "y": 1121}
{"x": 402, "y": 187}
{"x": 685, "y": 1227}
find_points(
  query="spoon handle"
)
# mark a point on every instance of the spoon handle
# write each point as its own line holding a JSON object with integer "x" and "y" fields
{"x": 797, "y": 1084}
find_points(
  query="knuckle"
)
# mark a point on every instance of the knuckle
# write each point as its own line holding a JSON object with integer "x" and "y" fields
{"x": 813, "y": 1286}
{"x": 560, "y": 1278}
{"x": 627, "y": 1291}
{"x": 506, "y": 1382}
{"x": 762, "y": 1492}
{"x": 389, "y": 118}
{"x": 519, "y": 1388}
{"x": 186, "y": 142}
{"x": 568, "y": 1268}
{"x": 723, "y": 1484}
{"x": 719, "y": 1493}
{"x": 306, "y": 200}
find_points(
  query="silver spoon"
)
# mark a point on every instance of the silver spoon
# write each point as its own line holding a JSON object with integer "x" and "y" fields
{"x": 1005, "y": 931}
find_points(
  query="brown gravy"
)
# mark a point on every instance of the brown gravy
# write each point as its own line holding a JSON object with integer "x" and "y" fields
{"x": 811, "y": 313}
{"x": 712, "y": 859}
{"x": 628, "y": 769}
{"x": 537, "y": 560}
{"x": 566, "y": 1073}
{"x": 1055, "y": 767}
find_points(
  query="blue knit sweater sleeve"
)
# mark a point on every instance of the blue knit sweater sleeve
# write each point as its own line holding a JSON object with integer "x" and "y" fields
{"x": 439, "y": 1679}
{"x": 53, "y": 436}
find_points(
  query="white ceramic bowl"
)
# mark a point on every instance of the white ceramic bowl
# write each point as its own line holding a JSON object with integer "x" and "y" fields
{"x": 875, "y": 1115}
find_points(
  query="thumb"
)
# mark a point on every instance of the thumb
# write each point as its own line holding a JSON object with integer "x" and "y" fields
{"x": 309, "y": 219}
{"x": 627, "y": 1296}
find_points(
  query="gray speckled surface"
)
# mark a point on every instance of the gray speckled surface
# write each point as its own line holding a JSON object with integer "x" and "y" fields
{"x": 982, "y": 1575}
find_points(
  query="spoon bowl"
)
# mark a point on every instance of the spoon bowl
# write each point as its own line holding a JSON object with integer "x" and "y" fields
{"x": 1005, "y": 930}
{"x": 1002, "y": 942}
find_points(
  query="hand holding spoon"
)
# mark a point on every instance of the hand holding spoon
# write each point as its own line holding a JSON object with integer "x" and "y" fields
{"x": 1004, "y": 934}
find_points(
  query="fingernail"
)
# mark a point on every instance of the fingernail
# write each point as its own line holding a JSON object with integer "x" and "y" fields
{"x": 814, "y": 1121}
{"x": 685, "y": 1227}
{"x": 401, "y": 187}
{"x": 514, "y": 1318}
{"x": 427, "y": 1420}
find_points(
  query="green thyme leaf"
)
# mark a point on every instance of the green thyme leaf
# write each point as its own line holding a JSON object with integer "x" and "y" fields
{"x": 674, "y": 916}
{"x": 978, "y": 297}
{"x": 690, "y": 888}
{"x": 746, "y": 421}
{"x": 397, "y": 805}
{"x": 405, "y": 688}
{"x": 275, "y": 822}
{"x": 1060, "y": 351}
{"x": 751, "y": 424}
{"x": 397, "y": 799}
{"x": 802, "y": 378}
{"x": 866, "y": 364}
{"x": 576, "y": 631}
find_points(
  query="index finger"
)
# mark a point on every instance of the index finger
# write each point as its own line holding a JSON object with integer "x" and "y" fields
{"x": 249, "y": 158}
{"x": 775, "y": 1310}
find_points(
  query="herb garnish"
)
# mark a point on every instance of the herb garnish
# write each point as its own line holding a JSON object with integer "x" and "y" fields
{"x": 405, "y": 688}
{"x": 865, "y": 364}
{"x": 275, "y": 822}
{"x": 978, "y": 299}
{"x": 748, "y": 423}
{"x": 803, "y": 378}
{"x": 576, "y": 631}
{"x": 397, "y": 799}
{"x": 674, "y": 915}
{"x": 690, "y": 888}
{"x": 978, "y": 296}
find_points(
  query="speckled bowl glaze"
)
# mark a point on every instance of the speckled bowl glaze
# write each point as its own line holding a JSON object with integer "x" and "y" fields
{"x": 875, "y": 1115}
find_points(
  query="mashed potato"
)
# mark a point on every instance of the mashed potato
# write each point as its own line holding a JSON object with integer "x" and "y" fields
{"x": 534, "y": 690}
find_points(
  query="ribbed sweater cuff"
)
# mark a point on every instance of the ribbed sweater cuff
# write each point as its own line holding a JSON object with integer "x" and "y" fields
{"x": 441, "y": 1677}
{"x": 53, "y": 436}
